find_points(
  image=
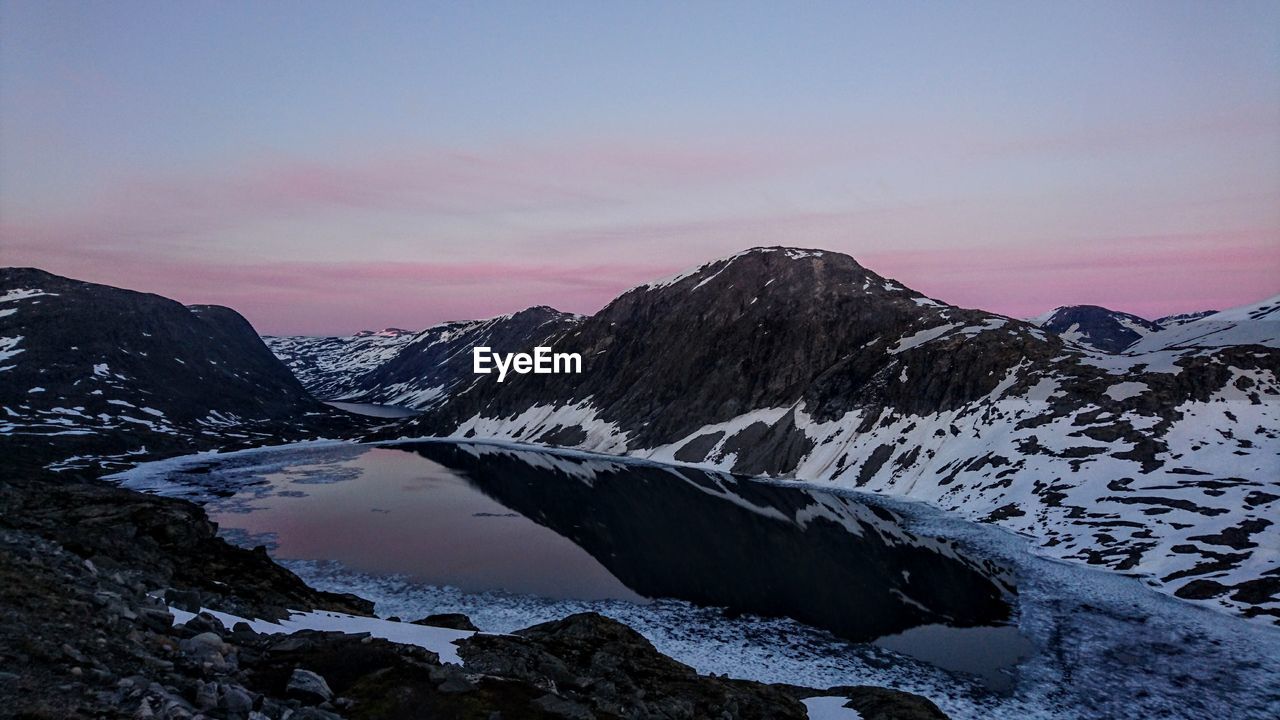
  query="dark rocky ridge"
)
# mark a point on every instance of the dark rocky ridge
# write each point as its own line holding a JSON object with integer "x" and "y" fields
{"x": 761, "y": 329}
{"x": 1098, "y": 327}
{"x": 103, "y": 371}
{"x": 437, "y": 363}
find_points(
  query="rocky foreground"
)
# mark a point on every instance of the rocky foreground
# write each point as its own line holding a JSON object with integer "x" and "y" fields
{"x": 88, "y": 573}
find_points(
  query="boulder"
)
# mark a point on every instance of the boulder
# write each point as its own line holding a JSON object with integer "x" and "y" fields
{"x": 308, "y": 687}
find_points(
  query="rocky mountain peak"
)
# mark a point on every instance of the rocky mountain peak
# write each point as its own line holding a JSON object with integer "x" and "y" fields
{"x": 1097, "y": 327}
{"x": 759, "y": 267}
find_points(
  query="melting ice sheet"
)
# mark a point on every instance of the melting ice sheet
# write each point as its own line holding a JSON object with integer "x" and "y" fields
{"x": 1096, "y": 645}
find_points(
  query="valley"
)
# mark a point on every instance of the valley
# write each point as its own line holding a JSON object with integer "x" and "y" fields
{"x": 778, "y": 466}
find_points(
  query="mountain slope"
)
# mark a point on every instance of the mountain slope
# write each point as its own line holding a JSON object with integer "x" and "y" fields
{"x": 1097, "y": 327}
{"x": 1169, "y": 321}
{"x": 437, "y": 362}
{"x": 88, "y": 370}
{"x": 329, "y": 366}
{"x": 1256, "y": 324}
{"x": 804, "y": 364}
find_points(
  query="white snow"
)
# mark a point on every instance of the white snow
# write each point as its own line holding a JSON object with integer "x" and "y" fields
{"x": 1256, "y": 324}
{"x": 1126, "y": 390}
{"x": 922, "y": 337}
{"x": 9, "y": 348}
{"x": 791, "y": 253}
{"x": 23, "y": 294}
{"x": 830, "y": 708}
{"x": 1044, "y": 317}
{"x": 437, "y": 640}
{"x": 528, "y": 426}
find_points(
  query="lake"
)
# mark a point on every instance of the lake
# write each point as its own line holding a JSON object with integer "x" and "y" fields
{"x": 766, "y": 580}
{"x": 484, "y": 517}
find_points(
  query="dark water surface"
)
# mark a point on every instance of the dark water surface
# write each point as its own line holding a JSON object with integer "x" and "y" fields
{"x": 483, "y": 517}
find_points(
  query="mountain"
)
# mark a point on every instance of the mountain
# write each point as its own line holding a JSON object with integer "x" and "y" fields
{"x": 1169, "y": 321}
{"x": 413, "y": 370}
{"x": 329, "y": 366}
{"x": 89, "y": 369}
{"x": 804, "y": 364}
{"x": 1096, "y": 327}
{"x": 1257, "y": 324}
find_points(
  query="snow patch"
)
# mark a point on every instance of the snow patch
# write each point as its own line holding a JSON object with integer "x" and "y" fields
{"x": 830, "y": 708}
{"x": 438, "y": 640}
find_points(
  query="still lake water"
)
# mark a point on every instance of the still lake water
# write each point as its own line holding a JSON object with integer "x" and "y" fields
{"x": 713, "y": 568}
{"x": 481, "y": 517}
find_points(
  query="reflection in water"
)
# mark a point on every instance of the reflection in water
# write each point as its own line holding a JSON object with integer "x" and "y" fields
{"x": 488, "y": 517}
{"x": 394, "y": 513}
{"x": 983, "y": 651}
{"x": 758, "y": 548}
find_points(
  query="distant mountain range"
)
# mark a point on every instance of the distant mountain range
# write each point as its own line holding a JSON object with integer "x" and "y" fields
{"x": 1098, "y": 328}
{"x": 1114, "y": 440}
{"x": 417, "y": 370}
{"x": 1146, "y": 447}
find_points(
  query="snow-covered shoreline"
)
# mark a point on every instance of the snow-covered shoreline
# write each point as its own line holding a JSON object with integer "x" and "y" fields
{"x": 1108, "y": 644}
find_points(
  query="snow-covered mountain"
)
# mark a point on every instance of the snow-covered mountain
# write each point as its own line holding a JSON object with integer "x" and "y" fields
{"x": 88, "y": 370}
{"x": 1257, "y": 324}
{"x": 413, "y": 370}
{"x": 437, "y": 363}
{"x": 1096, "y": 327}
{"x": 802, "y": 363}
{"x": 330, "y": 366}
{"x": 1169, "y": 321}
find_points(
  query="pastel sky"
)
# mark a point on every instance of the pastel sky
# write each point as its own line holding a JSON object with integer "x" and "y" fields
{"x": 328, "y": 167}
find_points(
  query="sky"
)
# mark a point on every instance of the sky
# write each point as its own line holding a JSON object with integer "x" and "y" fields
{"x": 330, "y": 167}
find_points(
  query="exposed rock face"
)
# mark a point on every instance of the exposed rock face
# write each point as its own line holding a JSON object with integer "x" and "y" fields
{"x": 165, "y": 543}
{"x": 1097, "y": 327}
{"x": 329, "y": 367}
{"x": 802, "y": 363}
{"x": 758, "y": 330}
{"x": 88, "y": 370}
{"x": 457, "y": 621}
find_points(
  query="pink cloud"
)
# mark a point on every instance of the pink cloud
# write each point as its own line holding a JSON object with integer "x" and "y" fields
{"x": 1149, "y": 276}
{"x": 425, "y": 183}
{"x": 558, "y": 226}
{"x": 325, "y": 298}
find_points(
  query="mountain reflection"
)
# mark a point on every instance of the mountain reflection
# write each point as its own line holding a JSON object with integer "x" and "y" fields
{"x": 716, "y": 540}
